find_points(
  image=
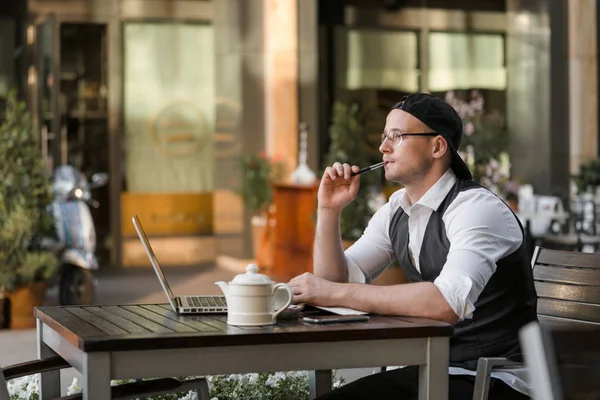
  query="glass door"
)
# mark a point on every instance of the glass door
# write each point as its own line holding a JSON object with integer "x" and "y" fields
{"x": 45, "y": 93}
{"x": 83, "y": 113}
{"x": 69, "y": 104}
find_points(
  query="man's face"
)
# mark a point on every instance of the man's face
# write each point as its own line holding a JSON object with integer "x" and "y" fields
{"x": 412, "y": 159}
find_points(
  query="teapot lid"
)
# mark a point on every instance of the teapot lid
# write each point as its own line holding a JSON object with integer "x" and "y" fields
{"x": 251, "y": 277}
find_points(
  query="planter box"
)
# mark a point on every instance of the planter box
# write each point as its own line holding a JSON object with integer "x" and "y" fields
{"x": 22, "y": 301}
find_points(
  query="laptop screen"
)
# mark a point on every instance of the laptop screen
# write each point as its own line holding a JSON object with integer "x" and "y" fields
{"x": 161, "y": 277}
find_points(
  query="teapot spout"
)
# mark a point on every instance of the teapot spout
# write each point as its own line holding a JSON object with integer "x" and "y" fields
{"x": 224, "y": 286}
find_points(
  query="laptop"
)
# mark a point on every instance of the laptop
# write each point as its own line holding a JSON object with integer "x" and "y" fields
{"x": 202, "y": 304}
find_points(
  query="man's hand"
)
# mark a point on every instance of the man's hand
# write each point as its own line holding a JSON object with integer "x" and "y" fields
{"x": 337, "y": 187}
{"x": 310, "y": 289}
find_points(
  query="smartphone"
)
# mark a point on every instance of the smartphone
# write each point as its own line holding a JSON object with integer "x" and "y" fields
{"x": 330, "y": 319}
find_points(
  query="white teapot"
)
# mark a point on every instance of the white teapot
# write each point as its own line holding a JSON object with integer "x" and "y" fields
{"x": 251, "y": 299}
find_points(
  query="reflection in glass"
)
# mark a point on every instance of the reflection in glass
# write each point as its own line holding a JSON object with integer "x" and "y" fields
{"x": 377, "y": 59}
{"x": 169, "y": 107}
{"x": 466, "y": 61}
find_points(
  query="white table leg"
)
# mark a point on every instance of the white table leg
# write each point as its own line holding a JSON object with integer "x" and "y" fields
{"x": 319, "y": 382}
{"x": 96, "y": 376}
{"x": 49, "y": 381}
{"x": 433, "y": 376}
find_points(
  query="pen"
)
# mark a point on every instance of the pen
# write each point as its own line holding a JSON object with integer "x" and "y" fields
{"x": 367, "y": 169}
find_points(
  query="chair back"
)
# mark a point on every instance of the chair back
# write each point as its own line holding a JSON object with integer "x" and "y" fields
{"x": 562, "y": 351}
{"x": 568, "y": 287}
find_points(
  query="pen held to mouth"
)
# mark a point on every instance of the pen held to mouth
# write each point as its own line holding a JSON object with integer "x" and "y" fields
{"x": 370, "y": 168}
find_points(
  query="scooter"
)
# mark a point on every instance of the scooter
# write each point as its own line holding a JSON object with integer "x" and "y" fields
{"x": 76, "y": 233}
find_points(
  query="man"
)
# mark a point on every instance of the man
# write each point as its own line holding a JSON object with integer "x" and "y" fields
{"x": 460, "y": 247}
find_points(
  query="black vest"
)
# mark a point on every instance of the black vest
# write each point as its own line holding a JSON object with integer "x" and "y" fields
{"x": 507, "y": 302}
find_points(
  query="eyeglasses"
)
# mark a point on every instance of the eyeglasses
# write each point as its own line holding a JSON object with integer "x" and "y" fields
{"x": 395, "y": 138}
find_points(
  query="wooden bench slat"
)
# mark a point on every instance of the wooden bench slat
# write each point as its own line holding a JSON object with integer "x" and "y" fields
{"x": 564, "y": 323}
{"x": 570, "y": 275}
{"x": 582, "y": 294}
{"x": 568, "y": 259}
{"x": 147, "y": 324}
{"x": 96, "y": 321}
{"x": 160, "y": 319}
{"x": 195, "y": 321}
{"x": 569, "y": 309}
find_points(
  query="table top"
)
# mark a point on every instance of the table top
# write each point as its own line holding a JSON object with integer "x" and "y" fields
{"x": 152, "y": 326}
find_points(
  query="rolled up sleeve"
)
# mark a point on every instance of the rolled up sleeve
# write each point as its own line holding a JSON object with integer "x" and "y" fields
{"x": 481, "y": 230}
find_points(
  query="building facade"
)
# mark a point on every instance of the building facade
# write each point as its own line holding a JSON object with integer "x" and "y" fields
{"x": 165, "y": 95}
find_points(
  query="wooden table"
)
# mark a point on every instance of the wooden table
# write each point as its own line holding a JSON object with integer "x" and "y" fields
{"x": 140, "y": 341}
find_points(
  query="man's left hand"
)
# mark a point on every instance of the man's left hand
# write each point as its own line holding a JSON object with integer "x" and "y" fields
{"x": 313, "y": 290}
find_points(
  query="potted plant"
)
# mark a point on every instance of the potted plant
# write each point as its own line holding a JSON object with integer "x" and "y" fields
{"x": 24, "y": 200}
{"x": 588, "y": 178}
{"x": 348, "y": 144}
{"x": 257, "y": 173}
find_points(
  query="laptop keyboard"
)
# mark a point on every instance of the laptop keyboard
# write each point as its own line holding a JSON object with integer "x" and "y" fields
{"x": 208, "y": 301}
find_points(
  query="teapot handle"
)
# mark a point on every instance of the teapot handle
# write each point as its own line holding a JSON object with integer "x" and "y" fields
{"x": 286, "y": 287}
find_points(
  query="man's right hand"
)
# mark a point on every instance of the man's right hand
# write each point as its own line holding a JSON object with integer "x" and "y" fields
{"x": 337, "y": 188}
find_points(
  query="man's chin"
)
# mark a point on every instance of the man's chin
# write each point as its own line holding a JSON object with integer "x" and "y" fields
{"x": 392, "y": 177}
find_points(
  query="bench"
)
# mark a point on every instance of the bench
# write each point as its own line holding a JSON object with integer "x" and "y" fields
{"x": 568, "y": 290}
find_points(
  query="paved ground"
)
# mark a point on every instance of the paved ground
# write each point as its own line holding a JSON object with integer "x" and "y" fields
{"x": 127, "y": 287}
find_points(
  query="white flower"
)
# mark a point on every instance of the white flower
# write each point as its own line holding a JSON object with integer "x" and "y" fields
{"x": 469, "y": 128}
{"x": 74, "y": 388}
{"x": 24, "y": 388}
{"x": 271, "y": 381}
{"x": 252, "y": 378}
{"x": 191, "y": 395}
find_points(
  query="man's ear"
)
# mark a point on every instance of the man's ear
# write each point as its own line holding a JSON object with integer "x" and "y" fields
{"x": 440, "y": 147}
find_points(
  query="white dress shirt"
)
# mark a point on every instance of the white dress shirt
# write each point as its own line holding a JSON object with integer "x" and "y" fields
{"x": 481, "y": 230}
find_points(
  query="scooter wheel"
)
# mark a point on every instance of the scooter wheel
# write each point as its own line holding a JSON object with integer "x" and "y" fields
{"x": 76, "y": 286}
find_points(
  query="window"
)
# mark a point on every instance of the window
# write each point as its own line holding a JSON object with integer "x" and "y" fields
{"x": 466, "y": 61}
{"x": 376, "y": 59}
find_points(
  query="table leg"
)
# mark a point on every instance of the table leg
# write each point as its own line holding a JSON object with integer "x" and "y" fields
{"x": 49, "y": 381}
{"x": 433, "y": 376}
{"x": 96, "y": 376}
{"x": 319, "y": 382}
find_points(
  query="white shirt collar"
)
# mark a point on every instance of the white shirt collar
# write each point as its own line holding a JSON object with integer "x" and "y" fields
{"x": 434, "y": 196}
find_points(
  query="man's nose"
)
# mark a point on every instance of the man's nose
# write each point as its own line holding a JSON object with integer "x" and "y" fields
{"x": 385, "y": 147}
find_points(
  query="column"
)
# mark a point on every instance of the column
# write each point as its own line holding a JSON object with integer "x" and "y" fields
{"x": 257, "y": 102}
{"x": 538, "y": 94}
{"x": 281, "y": 79}
{"x": 308, "y": 77}
{"x": 583, "y": 82}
